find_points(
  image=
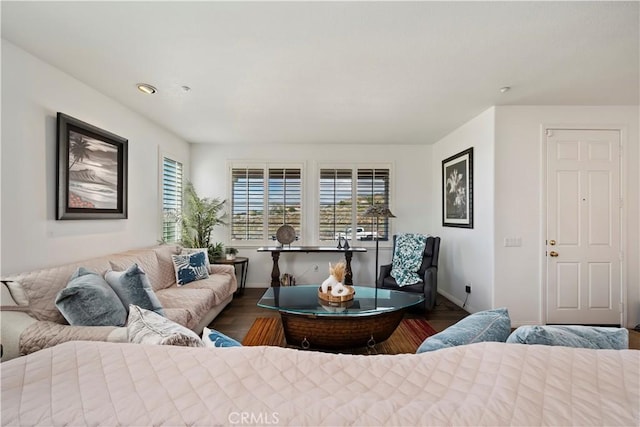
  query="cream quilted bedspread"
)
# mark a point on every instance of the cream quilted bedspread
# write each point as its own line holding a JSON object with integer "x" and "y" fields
{"x": 94, "y": 383}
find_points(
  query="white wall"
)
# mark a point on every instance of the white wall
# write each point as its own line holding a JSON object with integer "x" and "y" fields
{"x": 466, "y": 255}
{"x": 411, "y": 198}
{"x": 32, "y": 93}
{"x": 518, "y": 206}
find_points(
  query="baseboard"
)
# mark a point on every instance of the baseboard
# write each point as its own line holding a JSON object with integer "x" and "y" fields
{"x": 458, "y": 302}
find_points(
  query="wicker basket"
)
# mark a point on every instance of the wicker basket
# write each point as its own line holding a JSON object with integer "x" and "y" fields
{"x": 326, "y": 296}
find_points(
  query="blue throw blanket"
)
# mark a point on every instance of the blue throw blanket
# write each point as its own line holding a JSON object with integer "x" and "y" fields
{"x": 407, "y": 257}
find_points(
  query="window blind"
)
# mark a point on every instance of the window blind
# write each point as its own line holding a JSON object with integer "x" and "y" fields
{"x": 171, "y": 199}
{"x": 247, "y": 204}
{"x": 284, "y": 199}
{"x": 336, "y": 202}
{"x": 373, "y": 188}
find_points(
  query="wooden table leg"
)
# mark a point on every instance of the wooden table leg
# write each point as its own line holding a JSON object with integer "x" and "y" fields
{"x": 348, "y": 275}
{"x": 275, "y": 272}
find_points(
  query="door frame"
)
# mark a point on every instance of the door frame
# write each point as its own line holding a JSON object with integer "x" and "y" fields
{"x": 543, "y": 209}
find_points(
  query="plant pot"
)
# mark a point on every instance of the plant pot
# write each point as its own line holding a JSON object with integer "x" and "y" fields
{"x": 231, "y": 257}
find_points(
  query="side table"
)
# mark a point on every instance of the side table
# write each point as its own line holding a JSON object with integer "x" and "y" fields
{"x": 238, "y": 261}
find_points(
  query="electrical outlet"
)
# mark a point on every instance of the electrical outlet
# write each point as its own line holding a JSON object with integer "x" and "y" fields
{"x": 467, "y": 289}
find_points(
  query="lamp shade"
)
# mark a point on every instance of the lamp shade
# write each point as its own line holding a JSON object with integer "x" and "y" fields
{"x": 379, "y": 211}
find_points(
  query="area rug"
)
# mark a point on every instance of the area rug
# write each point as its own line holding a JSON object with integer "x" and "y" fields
{"x": 405, "y": 339}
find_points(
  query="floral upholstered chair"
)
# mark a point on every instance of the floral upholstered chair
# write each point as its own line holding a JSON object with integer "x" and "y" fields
{"x": 414, "y": 267}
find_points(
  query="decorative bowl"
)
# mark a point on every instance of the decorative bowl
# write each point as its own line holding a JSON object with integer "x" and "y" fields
{"x": 326, "y": 296}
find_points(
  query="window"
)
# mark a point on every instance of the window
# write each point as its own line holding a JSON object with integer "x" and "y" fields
{"x": 341, "y": 214}
{"x": 285, "y": 198}
{"x": 373, "y": 188}
{"x": 336, "y": 207}
{"x": 171, "y": 199}
{"x": 276, "y": 191}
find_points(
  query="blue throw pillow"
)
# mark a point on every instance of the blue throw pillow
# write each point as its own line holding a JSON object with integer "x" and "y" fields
{"x": 89, "y": 301}
{"x": 213, "y": 338}
{"x": 190, "y": 267}
{"x": 572, "y": 336}
{"x": 489, "y": 325}
{"x": 132, "y": 287}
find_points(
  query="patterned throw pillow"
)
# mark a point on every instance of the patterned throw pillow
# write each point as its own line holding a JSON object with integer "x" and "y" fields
{"x": 189, "y": 251}
{"x": 88, "y": 300}
{"x": 213, "y": 338}
{"x": 407, "y": 258}
{"x": 132, "y": 287}
{"x": 190, "y": 267}
{"x": 147, "y": 327}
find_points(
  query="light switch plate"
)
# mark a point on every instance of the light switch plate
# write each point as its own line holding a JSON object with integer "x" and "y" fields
{"x": 512, "y": 242}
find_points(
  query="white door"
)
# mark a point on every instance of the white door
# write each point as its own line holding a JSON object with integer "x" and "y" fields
{"x": 584, "y": 284}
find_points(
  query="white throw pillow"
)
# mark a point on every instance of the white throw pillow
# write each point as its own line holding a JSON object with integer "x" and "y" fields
{"x": 147, "y": 327}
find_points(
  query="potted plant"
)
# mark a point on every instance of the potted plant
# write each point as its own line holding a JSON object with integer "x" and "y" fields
{"x": 216, "y": 251}
{"x": 231, "y": 253}
{"x": 199, "y": 218}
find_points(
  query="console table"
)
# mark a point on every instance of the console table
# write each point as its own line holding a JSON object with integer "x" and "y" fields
{"x": 276, "y": 250}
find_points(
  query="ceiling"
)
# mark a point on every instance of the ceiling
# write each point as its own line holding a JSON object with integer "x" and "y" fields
{"x": 334, "y": 72}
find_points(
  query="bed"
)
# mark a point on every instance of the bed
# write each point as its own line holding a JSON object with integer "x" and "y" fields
{"x": 98, "y": 383}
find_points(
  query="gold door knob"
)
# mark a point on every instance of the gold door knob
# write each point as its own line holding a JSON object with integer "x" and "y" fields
{"x": 552, "y": 242}
{"x": 553, "y": 253}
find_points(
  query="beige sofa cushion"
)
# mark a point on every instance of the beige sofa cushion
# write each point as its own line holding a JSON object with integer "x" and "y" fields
{"x": 222, "y": 282}
{"x": 42, "y": 286}
{"x": 146, "y": 260}
{"x": 197, "y": 301}
{"x": 181, "y": 316}
{"x": 45, "y": 334}
{"x": 166, "y": 271}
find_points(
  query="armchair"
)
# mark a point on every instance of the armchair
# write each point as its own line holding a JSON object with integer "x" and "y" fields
{"x": 428, "y": 272}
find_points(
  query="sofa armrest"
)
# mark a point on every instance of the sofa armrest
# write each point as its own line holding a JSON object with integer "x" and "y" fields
{"x": 222, "y": 269}
{"x": 43, "y": 334}
{"x": 14, "y": 319}
{"x": 13, "y": 323}
{"x": 385, "y": 271}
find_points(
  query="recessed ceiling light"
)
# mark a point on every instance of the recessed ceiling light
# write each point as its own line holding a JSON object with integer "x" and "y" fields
{"x": 505, "y": 89}
{"x": 146, "y": 88}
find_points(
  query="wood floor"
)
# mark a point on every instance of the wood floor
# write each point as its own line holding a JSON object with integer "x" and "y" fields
{"x": 236, "y": 319}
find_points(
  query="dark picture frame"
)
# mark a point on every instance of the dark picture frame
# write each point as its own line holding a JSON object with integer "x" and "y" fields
{"x": 91, "y": 173}
{"x": 457, "y": 190}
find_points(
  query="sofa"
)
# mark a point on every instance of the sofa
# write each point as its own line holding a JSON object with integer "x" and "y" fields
{"x": 481, "y": 384}
{"x": 31, "y": 321}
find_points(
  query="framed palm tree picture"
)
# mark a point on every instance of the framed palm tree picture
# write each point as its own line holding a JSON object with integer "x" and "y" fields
{"x": 457, "y": 190}
{"x": 92, "y": 171}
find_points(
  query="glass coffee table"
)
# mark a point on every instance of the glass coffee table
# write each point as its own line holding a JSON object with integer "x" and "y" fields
{"x": 310, "y": 322}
